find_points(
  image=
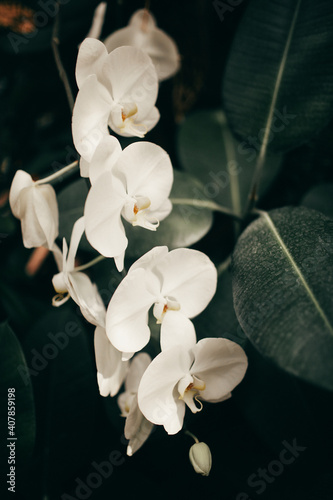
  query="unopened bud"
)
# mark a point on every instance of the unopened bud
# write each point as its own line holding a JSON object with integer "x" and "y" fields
{"x": 201, "y": 458}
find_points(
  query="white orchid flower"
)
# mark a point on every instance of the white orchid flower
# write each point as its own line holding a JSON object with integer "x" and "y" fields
{"x": 179, "y": 284}
{"x": 143, "y": 33}
{"x": 111, "y": 369}
{"x": 70, "y": 282}
{"x": 116, "y": 90}
{"x": 133, "y": 184}
{"x": 137, "y": 427}
{"x": 183, "y": 376}
{"x": 35, "y": 204}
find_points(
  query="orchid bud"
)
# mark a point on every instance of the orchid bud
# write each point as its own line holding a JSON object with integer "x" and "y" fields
{"x": 201, "y": 458}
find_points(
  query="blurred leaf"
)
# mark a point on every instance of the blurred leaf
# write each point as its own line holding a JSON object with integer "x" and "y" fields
{"x": 208, "y": 151}
{"x": 8, "y": 224}
{"x": 283, "y": 290}
{"x": 14, "y": 374}
{"x": 60, "y": 355}
{"x": 279, "y": 76}
{"x": 320, "y": 198}
{"x": 182, "y": 228}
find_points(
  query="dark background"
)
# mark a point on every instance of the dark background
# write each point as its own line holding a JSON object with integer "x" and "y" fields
{"x": 75, "y": 426}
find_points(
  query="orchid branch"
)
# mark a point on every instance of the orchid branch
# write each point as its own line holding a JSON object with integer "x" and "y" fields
{"x": 61, "y": 69}
{"x": 57, "y": 174}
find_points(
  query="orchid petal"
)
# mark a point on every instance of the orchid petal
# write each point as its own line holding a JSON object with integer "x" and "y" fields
{"x": 97, "y": 21}
{"x": 127, "y": 313}
{"x": 104, "y": 229}
{"x": 149, "y": 260}
{"x": 143, "y": 16}
{"x": 151, "y": 119}
{"x": 148, "y": 172}
{"x": 90, "y": 116}
{"x": 105, "y": 157}
{"x": 20, "y": 181}
{"x": 134, "y": 79}
{"x": 138, "y": 366}
{"x": 157, "y": 395}
{"x": 76, "y": 236}
{"x": 124, "y": 401}
{"x": 162, "y": 211}
{"x": 58, "y": 257}
{"x": 40, "y": 219}
{"x": 86, "y": 295}
{"x": 137, "y": 428}
{"x": 111, "y": 370}
{"x": 36, "y": 206}
{"x": 91, "y": 56}
{"x": 84, "y": 167}
{"x": 221, "y": 364}
{"x": 143, "y": 33}
{"x": 189, "y": 277}
{"x": 177, "y": 329}
{"x": 119, "y": 261}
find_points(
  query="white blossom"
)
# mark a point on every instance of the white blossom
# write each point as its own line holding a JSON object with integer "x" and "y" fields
{"x": 182, "y": 376}
{"x": 179, "y": 284}
{"x": 143, "y": 33}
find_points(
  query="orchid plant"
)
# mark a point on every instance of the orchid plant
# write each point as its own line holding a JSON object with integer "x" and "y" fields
{"x": 117, "y": 94}
{"x": 159, "y": 350}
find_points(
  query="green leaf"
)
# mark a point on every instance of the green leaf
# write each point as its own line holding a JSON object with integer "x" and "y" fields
{"x": 14, "y": 375}
{"x": 283, "y": 290}
{"x": 208, "y": 151}
{"x": 59, "y": 350}
{"x": 71, "y": 202}
{"x": 320, "y": 198}
{"x": 186, "y": 224}
{"x": 279, "y": 77}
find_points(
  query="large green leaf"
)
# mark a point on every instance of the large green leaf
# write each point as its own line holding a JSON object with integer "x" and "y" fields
{"x": 12, "y": 366}
{"x": 187, "y": 223}
{"x": 283, "y": 290}
{"x": 279, "y": 78}
{"x": 208, "y": 151}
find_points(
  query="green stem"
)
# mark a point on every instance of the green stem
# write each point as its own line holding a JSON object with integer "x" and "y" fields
{"x": 192, "y": 436}
{"x": 57, "y": 58}
{"x": 224, "y": 265}
{"x": 90, "y": 263}
{"x": 57, "y": 174}
{"x": 205, "y": 204}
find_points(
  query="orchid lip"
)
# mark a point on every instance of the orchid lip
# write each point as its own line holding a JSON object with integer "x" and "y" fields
{"x": 192, "y": 393}
{"x": 136, "y": 211}
{"x": 128, "y": 111}
{"x": 164, "y": 305}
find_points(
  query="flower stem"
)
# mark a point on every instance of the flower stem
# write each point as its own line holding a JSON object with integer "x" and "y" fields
{"x": 90, "y": 263}
{"x": 61, "y": 69}
{"x": 192, "y": 436}
{"x": 224, "y": 265}
{"x": 205, "y": 204}
{"x": 58, "y": 174}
